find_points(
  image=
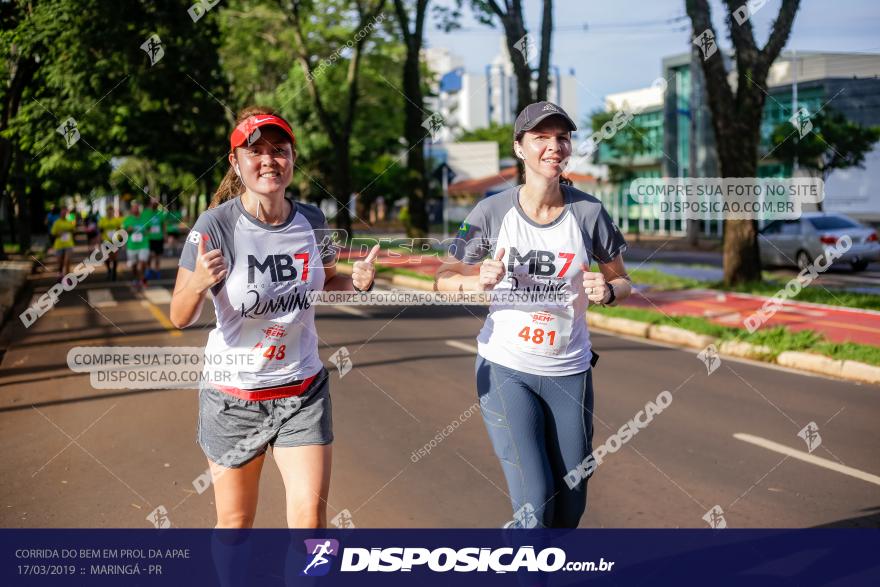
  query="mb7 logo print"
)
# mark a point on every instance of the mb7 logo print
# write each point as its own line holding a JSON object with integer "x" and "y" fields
{"x": 280, "y": 267}
{"x": 541, "y": 263}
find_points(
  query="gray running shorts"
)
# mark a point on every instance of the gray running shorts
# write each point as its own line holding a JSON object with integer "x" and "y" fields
{"x": 233, "y": 431}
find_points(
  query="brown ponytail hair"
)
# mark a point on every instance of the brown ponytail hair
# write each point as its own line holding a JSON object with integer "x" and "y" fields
{"x": 231, "y": 185}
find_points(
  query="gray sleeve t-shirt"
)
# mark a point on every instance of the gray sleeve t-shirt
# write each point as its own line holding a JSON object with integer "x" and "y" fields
{"x": 539, "y": 339}
{"x": 265, "y": 332}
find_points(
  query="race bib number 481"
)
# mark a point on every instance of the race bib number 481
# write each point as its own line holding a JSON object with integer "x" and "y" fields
{"x": 544, "y": 333}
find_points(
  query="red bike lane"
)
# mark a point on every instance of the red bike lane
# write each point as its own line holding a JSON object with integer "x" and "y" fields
{"x": 837, "y": 324}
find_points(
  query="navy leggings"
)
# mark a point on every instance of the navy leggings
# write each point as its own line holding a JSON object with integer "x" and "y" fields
{"x": 541, "y": 428}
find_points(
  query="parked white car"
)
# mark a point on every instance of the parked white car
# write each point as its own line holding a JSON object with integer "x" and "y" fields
{"x": 799, "y": 242}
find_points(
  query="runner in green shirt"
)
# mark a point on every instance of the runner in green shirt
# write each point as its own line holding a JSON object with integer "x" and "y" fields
{"x": 136, "y": 249}
{"x": 173, "y": 224}
{"x": 63, "y": 229}
{"x": 155, "y": 227}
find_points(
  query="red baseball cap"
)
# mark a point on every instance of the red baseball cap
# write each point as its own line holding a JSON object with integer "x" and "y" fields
{"x": 244, "y": 132}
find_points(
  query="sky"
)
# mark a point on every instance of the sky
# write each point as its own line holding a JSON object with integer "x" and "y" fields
{"x": 626, "y": 40}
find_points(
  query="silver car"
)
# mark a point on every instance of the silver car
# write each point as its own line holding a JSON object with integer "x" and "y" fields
{"x": 799, "y": 242}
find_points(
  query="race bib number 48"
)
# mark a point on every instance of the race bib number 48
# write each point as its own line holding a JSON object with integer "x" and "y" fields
{"x": 270, "y": 344}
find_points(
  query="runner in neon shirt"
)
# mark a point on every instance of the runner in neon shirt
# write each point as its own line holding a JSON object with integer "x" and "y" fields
{"x": 109, "y": 224}
{"x": 63, "y": 230}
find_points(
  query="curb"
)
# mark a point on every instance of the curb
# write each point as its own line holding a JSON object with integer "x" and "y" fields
{"x": 745, "y": 350}
{"x": 13, "y": 279}
{"x": 401, "y": 280}
{"x": 679, "y": 336}
{"x": 412, "y": 282}
{"x": 621, "y": 325}
{"x": 812, "y": 362}
{"x": 862, "y": 372}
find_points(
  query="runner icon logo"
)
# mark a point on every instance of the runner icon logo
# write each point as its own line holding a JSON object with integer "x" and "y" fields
{"x": 321, "y": 554}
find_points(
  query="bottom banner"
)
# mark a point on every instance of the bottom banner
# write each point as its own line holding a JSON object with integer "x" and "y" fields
{"x": 439, "y": 557}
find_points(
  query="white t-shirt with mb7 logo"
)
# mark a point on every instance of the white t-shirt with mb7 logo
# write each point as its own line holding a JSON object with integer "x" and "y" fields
{"x": 539, "y": 338}
{"x": 265, "y": 333}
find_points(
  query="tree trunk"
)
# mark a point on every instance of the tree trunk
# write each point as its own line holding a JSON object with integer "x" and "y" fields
{"x": 544, "y": 65}
{"x": 415, "y": 135}
{"x": 738, "y": 157}
{"x": 3, "y": 232}
{"x": 340, "y": 130}
{"x": 514, "y": 33}
{"x": 342, "y": 186}
{"x": 414, "y": 115}
{"x": 736, "y": 118}
{"x": 21, "y": 205}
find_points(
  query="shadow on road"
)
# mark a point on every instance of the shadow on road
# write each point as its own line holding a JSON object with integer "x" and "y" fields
{"x": 871, "y": 520}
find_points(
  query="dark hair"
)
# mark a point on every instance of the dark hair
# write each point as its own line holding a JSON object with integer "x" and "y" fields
{"x": 231, "y": 185}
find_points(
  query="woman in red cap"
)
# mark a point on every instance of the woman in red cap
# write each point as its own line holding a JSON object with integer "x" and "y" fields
{"x": 261, "y": 254}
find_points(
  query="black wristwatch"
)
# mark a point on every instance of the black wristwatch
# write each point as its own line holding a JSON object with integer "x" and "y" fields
{"x": 613, "y": 295}
{"x": 372, "y": 283}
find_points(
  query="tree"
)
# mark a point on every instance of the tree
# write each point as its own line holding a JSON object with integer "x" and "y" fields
{"x": 338, "y": 125}
{"x": 736, "y": 115}
{"x": 93, "y": 67}
{"x": 414, "y": 113}
{"x": 519, "y": 46}
{"x": 255, "y": 51}
{"x": 500, "y": 133}
{"x": 834, "y": 143}
{"x": 627, "y": 143}
{"x": 18, "y": 69}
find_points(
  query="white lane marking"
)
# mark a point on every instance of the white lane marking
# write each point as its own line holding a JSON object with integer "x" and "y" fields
{"x": 352, "y": 311}
{"x": 807, "y": 457}
{"x": 158, "y": 295}
{"x": 462, "y": 346}
{"x": 100, "y": 298}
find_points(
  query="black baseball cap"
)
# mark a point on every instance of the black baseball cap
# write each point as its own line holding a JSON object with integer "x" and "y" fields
{"x": 533, "y": 114}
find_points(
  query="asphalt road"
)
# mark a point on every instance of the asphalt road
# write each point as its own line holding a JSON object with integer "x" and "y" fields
{"x": 82, "y": 457}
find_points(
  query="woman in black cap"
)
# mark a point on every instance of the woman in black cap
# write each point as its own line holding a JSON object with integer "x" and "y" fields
{"x": 534, "y": 375}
